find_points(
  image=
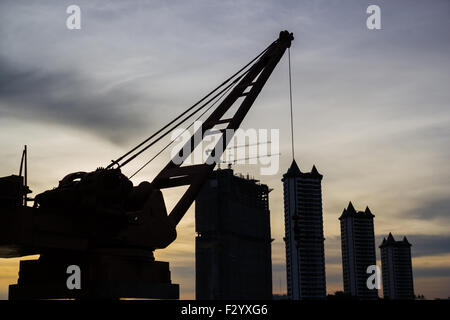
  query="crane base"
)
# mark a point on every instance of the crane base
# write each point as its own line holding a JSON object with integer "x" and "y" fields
{"x": 102, "y": 276}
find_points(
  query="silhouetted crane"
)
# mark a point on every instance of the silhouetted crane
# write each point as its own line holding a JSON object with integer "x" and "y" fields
{"x": 109, "y": 228}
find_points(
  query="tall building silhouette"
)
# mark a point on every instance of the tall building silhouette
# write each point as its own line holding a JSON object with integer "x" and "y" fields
{"x": 233, "y": 243}
{"x": 305, "y": 261}
{"x": 397, "y": 268}
{"x": 358, "y": 251}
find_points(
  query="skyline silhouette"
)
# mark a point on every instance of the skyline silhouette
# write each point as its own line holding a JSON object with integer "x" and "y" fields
{"x": 370, "y": 108}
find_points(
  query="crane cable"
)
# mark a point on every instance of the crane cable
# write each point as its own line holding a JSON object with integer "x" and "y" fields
{"x": 116, "y": 162}
{"x": 223, "y": 93}
{"x": 172, "y": 141}
{"x": 179, "y": 123}
{"x": 290, "y": 102}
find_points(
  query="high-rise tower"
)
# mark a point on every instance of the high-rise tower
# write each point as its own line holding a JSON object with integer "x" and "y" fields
{"x": 397, "y": 268}
{"x": 358, "y": 251}
{"x": 305, "y": 261}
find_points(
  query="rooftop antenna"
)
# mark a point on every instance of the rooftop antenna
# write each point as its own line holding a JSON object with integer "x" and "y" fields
{"x": 290, "y": 101}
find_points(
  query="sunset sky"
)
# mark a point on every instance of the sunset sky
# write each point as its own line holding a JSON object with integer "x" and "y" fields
{"x": 371, "y": 107}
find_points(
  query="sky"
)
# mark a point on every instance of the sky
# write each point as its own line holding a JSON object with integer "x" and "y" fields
{"x": 371, "y": 107}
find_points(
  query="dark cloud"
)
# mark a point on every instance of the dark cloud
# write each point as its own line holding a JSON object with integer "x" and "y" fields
{"x": 422, "y": 245}
{"x": 427, "y": 245}
{"x": 70, "y": 99}
{"x": 431, "y": 272}
{"x": 333, "y": 259}
{"x": 277, "y": 267}
{"x": 432, "y": 209}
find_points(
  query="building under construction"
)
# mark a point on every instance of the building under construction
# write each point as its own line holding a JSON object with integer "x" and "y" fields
{"x": 233, "y": 244}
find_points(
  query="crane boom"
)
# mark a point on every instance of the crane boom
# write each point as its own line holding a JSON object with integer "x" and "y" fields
{"x": 174, "y": 174}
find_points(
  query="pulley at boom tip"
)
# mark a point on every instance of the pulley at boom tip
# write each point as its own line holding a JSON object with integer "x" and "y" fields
{"x": 286, "y": 36}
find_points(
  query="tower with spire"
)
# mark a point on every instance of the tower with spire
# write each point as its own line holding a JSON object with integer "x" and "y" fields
{"x": 358, "y": 251}
{"x": 305, "y": 258}
{"x": 396, "y": 268}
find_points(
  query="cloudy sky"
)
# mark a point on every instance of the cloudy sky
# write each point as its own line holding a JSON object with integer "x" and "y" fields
{"x": 371, "y": 107}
